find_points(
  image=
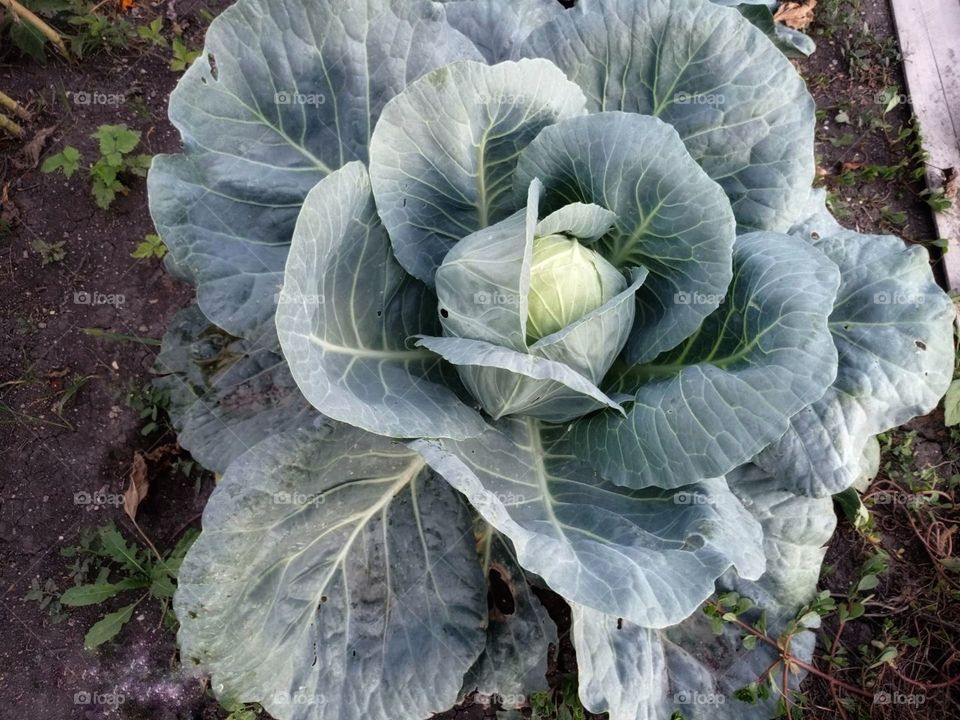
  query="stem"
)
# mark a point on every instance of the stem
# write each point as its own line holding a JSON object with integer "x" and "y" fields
{"x": 786, "y": 691}
{"x": 9, "y": 125}
{"x": 926, "y": 686}
{"x": 17, "y": 109}
{"x": 156, "y": 552}
{"x": 788, "y": 658}
{"x": 24, "y": 14}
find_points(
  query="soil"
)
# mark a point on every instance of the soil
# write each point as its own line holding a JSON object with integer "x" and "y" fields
{"x": 57, "y": 447}
{"x": 52, "y": 459}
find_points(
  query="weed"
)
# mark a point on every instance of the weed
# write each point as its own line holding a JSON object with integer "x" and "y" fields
{"x": 47, "y": 597}
{"x": 560, "y": 704}
{"x": 106, "y": 566}
{"x": 117, "y": 160}
{"x": 243, "y": 712}
{"x": 67, "y": 161}
{"x": 117, "y": 143}
{"x": 182, "y": 56}
{"x": 152, "y": 405}
{"x": 73, "y": 387}
{"x": 151, "y": 247}
{"x": 49, "y": 252}
{"x": 94, "y": 32}
{"x": 151, "y": 33}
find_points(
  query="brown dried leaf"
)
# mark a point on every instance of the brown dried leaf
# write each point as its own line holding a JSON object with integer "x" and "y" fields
{"x": 796, "y": 15}
{"x": 32, "y": 150}
{"x": 952, "y": 186}
{"x": 138, "y": 488}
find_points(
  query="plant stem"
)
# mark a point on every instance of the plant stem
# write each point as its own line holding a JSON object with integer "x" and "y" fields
{"x": 10, "y": 126}
{"x": 788, "y": 658}
{"x": 12, "y": 105}
{"x": 28, "y": 17}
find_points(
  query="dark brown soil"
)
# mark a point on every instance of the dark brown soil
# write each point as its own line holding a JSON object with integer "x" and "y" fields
{"x": 50, "y": 454}
{"x": 48, "y": 457}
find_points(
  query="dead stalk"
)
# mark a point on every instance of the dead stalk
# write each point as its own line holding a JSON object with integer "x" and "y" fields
{"x": 28, "y": 17}
{"x": 10, "y": 126}
{"x": 15, "y": 107}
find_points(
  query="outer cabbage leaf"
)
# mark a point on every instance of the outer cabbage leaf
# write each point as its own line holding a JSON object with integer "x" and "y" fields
{"x": 586, "y": 222}
{"x": 649, "y": 556}
{"x": 346, "y": 312}
{"x": 496, "y": 27}
{"x": 737, "y": 102}
{"x": 670, "y": 217}
{"x": 443, "y": 155}
{"x": 336, "y": 579}
{"x": 507, "y": 382}
{"x": 727, "y": 392}
{"x": 284, "y": 93}
{"x": 796, "y": 530}
{"x": 815, "y": 220}
{"x": 484, "y": 282}
{"x": 513, "y": 664}
{"x": 636, "y": 673}
{"x": 892, "y": 326}
{"x": 226, "y": 394}
{"x": 792, "y": 43}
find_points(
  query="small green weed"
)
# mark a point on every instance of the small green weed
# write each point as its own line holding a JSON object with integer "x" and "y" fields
{"x": 116, "y": 162}
{"x": 49, "y": 252}
{"x": 106, "y": 566}
{"x": 182, "y": 56}
{"x": 151, "y": 247}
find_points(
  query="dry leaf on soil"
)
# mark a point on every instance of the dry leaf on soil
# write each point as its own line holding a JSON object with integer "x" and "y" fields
{"x": 796, "y": 15}
{"x": 138, "y": 488}
{"x": 31, "y": 151}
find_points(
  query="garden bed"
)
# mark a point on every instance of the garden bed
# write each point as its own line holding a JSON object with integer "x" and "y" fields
{"x": 80, "y": 321}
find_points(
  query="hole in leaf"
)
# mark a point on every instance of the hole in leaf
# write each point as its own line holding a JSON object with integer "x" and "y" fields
{"x": 619, "y": 623}
{"x": 213, "y": 65}
{"x": 922, "y": 345}
{"x": 444, "y": 313}
{"x": 500, "y": 598}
